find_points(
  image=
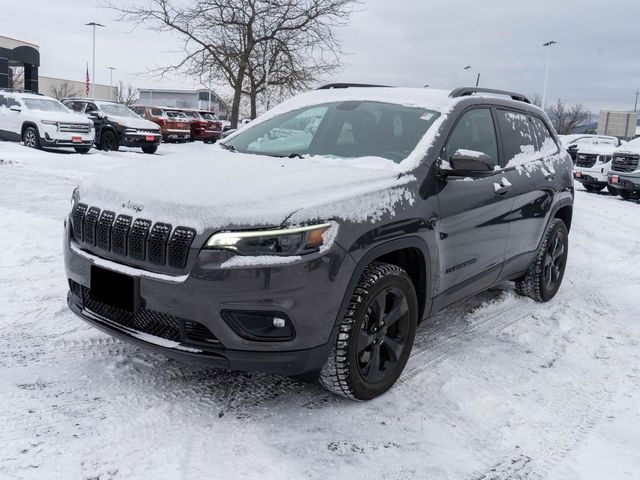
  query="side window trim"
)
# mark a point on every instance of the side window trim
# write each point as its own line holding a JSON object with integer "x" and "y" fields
{"x": 480, "y": 106}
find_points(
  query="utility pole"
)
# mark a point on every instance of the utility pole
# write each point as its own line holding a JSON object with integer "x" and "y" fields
{"x": 111, "y": 69}
{"x": 93, "y": 77}
{"x": 546, "y": 71}
{"x": 635, "y": 108}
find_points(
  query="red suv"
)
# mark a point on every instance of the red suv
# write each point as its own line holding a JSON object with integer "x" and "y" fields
{"x": 204, "y": 125}
{"x": 172, "y": 129}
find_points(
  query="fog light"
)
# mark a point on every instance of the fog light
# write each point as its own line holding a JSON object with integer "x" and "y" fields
{"x": 260, "y": 326}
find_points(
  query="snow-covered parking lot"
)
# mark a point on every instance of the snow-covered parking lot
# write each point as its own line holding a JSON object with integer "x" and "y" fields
{"x": 498, "y": 387}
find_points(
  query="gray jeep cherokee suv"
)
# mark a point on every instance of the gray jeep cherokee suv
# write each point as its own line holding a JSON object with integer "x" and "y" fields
{"x": 312, "y": 242}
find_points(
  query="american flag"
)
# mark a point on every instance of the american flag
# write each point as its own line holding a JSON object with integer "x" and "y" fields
{"x": 86, "y": 86}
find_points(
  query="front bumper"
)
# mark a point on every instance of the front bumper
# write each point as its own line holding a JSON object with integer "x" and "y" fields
{"x": 308, "y": 292}
{"x": 590, "y": 178}
{"x": 626, "y": 182}
{"x": 206, "y": 135}
{"x": 51, "y": 137}
{"x": 140, "y": 139}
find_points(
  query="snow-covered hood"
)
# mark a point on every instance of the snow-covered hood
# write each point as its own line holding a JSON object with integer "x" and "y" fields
{"x": 225, "y": 189}
{"x": 598, "y": 149}
{"x": 132, "y": 122}
{"x": 63, "y": 117}
{"x": 628, "y": 149}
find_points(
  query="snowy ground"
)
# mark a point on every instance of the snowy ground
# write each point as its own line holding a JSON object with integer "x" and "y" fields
{"x": 498, "y": 387}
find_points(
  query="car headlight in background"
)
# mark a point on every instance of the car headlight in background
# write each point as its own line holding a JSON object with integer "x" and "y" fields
{"x": 281, "y": 241}
{"x": 49, "y": 122}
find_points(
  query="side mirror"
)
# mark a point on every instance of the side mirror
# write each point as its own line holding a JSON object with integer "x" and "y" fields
{"x": 94, "y": 114}
{"x": 470, "y": 161}
{"x": 15, "y": 108}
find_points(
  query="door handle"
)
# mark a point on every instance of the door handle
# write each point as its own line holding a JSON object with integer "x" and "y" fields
{"x": 501, "y": 188}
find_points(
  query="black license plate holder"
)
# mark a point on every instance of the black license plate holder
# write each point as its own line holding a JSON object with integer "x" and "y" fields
{"x": 115, "y": 289}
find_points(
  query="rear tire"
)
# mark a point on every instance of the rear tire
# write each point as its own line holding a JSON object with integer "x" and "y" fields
{"x": 31, "y": 138}
{"x": 82, "y": 150}
{"x": 626, "y": 194}
{"x": 544, "y": 277}
{"x": 150, "y": 150}
{"x": 593, "y": 188}
{"x": 109, "y": 142}
{"x": 375, "y": 336}
{"x": 613, "y": 190}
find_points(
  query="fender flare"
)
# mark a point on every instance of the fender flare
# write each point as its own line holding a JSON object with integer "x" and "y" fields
{"x": 412, "y": 241}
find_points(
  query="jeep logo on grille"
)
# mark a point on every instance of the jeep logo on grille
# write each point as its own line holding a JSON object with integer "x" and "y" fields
{"x": 136, "y": 207}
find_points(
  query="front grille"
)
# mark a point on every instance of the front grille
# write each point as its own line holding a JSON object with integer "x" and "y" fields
{"x": 586, "y": 160}
{"x": 146, "y": 321}
{"x": 139, "y": 239}
{"x": 146, "y": 130}
{"x": 624, "y": 163}
{"x": 74, "y": 127}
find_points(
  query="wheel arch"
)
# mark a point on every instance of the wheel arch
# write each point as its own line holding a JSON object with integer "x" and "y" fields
{"x": 26, "y": 124}
{"x": 410, "y": 254}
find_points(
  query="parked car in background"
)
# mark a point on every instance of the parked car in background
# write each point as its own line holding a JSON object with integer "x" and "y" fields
{"x": 214, "y": 126}
{"x": 624, "y": 174}
{"x": 40, "y": 121}
{"x": 178, "y": 115}
{"x": 117, "y": 125}
{"x": 200, "y": 128}
{"x": 315, "y": 252}
{"x": 593, "y": 161}
{"x": 172, "y": 129}
{"x": 573, "y": 142}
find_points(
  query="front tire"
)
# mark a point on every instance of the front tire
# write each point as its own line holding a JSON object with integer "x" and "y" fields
{"x": 109, "y": 142}
{"x": 613, "y": 190}
{"x": 31, "y": 138}
{"x": 544, "y": 277}
{"x": 593, "y": 188}
{"x": 150, "y": 149}
{"x": 626, "y": 194}
{"x": 375, "y": 336}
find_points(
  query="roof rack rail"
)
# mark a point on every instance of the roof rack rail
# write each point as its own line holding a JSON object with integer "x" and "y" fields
{"x": 467, "y": 91}
{"x": 331, "y": 86}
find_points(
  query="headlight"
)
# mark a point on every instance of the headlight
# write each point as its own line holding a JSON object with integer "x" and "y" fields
{"x": 49, "y": 122}
{"x": 285, "y": 241}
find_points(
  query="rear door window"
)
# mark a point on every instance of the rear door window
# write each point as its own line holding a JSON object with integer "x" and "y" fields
{"x": 475, "y": 132}
{"x": 518, "y": 140}
{"x": 156, "y": 112}
{"x": 544, "y": 140}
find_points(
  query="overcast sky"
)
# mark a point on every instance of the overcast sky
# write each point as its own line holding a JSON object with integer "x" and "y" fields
{"x": 399, "y": 42}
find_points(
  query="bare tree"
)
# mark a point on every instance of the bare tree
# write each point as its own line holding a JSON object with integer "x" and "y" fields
{"x": 126, "y": 93}
{"x": 281, "y": 67}
{"x": 566, "y": 118}
{"x": 63, "y": 90}
{"x": 222, "y": 36}
{"x": 18, "y": 78}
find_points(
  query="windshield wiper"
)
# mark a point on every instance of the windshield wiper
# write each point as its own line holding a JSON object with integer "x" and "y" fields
{"x": 231, "y": 148}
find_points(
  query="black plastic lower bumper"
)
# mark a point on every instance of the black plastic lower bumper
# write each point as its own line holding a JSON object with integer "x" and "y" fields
{"x": 589, "y": 180}
{"x": 624, "y": 183}
{"x": 291, "y": 363}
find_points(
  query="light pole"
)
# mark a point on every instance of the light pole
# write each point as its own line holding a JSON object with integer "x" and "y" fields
{"x": 93, "y": 73}
{"x": 635, "y": 108}
{"x": 111, "y": 69}
{"x": 546, "y": 71}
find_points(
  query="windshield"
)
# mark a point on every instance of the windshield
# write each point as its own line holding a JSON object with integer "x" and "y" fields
{"x": 117, "y": 110}
{"x": 192, "y": 114}
{"x": 348, "y": 129}
{"x": 208, "y": 116}
{"x": 44, "y": 104}
{"x": 175, "y": 114}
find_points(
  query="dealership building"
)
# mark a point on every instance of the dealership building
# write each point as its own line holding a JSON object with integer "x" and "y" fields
{"x": 16, "y": 55}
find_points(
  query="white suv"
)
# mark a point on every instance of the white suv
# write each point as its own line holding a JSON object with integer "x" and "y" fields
{"x": 41, "y": 121}
{"x": 593, "y": 162}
